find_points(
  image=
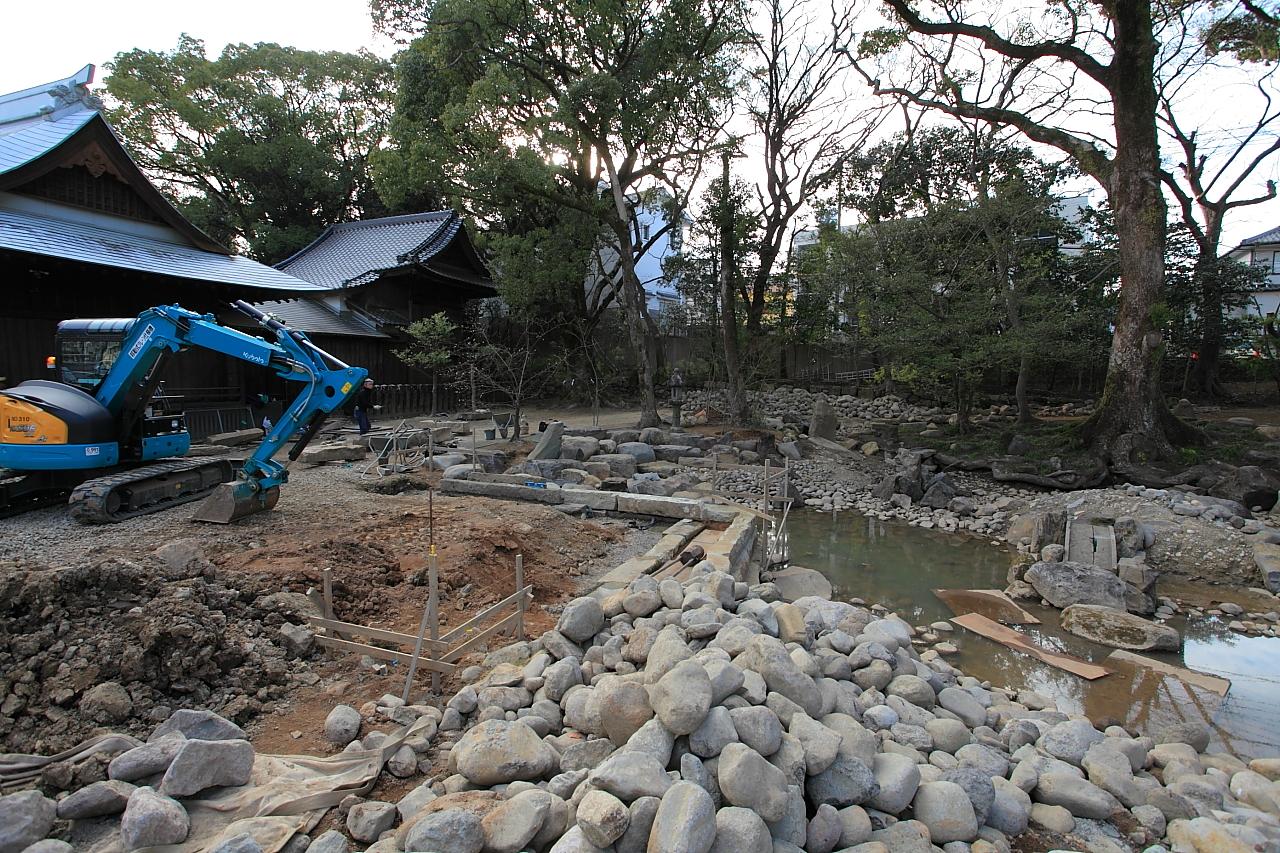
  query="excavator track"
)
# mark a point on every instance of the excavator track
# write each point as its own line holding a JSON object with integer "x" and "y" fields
{"x": 152, "y": 488}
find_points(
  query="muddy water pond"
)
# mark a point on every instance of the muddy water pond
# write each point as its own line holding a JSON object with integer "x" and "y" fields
{"x": 899, "y": 566}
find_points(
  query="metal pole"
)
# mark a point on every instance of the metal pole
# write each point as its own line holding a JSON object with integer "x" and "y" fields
{"x": 520, "y": 604}
{"x": 475, "y": 461}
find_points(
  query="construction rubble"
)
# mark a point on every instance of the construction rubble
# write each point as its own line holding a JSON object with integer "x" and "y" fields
{"x": 696, "y": 717}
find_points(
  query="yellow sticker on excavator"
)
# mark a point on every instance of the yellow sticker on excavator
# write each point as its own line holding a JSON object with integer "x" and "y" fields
{"x": 346, "y": 387}
{"x": 23, "y": 423}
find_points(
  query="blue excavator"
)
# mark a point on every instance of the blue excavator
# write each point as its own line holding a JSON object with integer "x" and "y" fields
{"x": 96, "y": 440}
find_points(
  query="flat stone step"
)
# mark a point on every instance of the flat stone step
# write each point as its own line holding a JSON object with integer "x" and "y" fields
{"x": 1091, "y": 544}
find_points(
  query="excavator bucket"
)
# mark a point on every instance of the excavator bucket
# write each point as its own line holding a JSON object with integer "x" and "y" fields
{"x": 235, "y": 500}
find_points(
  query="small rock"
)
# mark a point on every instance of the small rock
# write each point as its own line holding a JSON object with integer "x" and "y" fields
{"x": 368, "y": 820}
{"x": 25, "y": 818}
{"x": 152, "y": 819}
{"x": 342, "y": 725}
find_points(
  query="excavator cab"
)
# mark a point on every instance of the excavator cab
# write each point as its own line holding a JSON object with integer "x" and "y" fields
{"x": 86, "y": 350}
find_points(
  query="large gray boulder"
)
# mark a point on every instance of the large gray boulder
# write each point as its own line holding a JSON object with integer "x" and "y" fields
{"x": 549, "y": 444}
{"x": 682, "y": 697}
{"x": 847, "y": 782}
{"x": 198, "y": 725}
{"x": 96, "y": 800}
{"x": 685, "y": 822}
{"x": 823, "y": 423}
{"x": 741, "y": 831}
{"x": 368, "y": 820}
{"x": 769, "y": 657}
{"x": 1119, "y": 629}
{"x": 25, "y": 818}
{"x": 152, "y": 819}
{"x": 496, "y": 752}
{"x": 202, "y": 764}
{"x": 898, "y": 777}
{"x": 638, "y": 450}
{"x": 602, "y": 817}
{"x": 512, "y": 825}
{"x": 146, "y": 760}
{"x": 630, "y": 774}
{"x": 945, "y": 809}
{"x": 454, "y": 830}
{"x": 748, "y": 780}
{"x": 1064, "y": 584}
{"x": 582, "y": 619}
{"x": 1070, "y": 740}
{"x": 1079, "y": 796}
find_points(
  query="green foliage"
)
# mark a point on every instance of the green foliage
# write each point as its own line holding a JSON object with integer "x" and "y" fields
{"x": 1249, "y": 31}
{"x": 956, "y": 272}
{"x": 261, "y": 147}
{"x": 430, "y": 344}
{"x": 513, "y": 108}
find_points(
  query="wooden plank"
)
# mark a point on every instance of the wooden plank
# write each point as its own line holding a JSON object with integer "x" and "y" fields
{"x": 458, "y": 651}
{"x": 484, "y": 614}
{"x": 992, "y": 603}
{"x": 373, "y": 633}
{"x": 1212, "y": 683}
{"x": 383, "y": 654}
{"x": 1020, "y": 642}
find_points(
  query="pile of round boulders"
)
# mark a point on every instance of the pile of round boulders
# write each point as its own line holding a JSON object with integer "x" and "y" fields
{"x": 795, "y": 405}
{"x": 188, "y": 754}
{"x": 713, "y": 716}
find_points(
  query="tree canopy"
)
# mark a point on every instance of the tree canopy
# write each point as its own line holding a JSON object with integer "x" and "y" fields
{"x": 261, "y": 147}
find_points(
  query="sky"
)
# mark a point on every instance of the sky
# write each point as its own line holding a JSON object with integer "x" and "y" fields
{"x": 39, "y": 47}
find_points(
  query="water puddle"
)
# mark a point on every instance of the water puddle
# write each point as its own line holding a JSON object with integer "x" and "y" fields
{"x": 899, "y": 566}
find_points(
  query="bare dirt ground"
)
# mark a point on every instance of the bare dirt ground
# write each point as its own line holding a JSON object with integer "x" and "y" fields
{"x": 375, "y": 544}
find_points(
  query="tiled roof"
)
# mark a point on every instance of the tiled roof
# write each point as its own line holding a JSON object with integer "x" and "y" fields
{"x": 24, "y": 142}
{"x": 315, "y": 318}
{"x": 1272, "y": 236}
{"x": 41, "y": 235}
{"x": 354, "y": 253}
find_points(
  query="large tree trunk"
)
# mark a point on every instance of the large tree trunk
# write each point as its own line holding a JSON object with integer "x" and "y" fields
{"x": 728, "y": 310}
{"x": 640, "y": 328}
{"x": 1204, "y": 377}
{"x": 1020, "y": 389}
{"x": 1131, "y": 400}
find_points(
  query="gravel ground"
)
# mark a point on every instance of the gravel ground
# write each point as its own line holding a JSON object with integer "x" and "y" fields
{"x": 313, "y": 492}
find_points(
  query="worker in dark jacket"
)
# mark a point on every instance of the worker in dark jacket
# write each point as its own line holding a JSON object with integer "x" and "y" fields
{"x": 364, "y": 405}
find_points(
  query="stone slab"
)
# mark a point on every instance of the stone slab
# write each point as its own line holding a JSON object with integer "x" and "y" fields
{"x": 593, "y": 498}
{"x": 503, "y": 491}
{"x": 624, "y": 574}
{"x": 235, "y": 439}
{"x": 658, "y": 505}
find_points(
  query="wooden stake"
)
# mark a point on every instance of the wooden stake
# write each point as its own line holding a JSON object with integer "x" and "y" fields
{"x": 520, "y": 601}
{"x": 428, "y": 618}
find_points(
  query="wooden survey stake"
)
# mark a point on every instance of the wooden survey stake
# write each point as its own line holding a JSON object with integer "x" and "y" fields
{"x": 1020, "y": 642}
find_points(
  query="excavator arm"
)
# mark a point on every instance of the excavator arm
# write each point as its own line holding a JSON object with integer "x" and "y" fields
{"x": 326, "y": 382}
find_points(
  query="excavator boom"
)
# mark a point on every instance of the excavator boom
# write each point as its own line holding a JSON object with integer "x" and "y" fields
{"x": 52, "y": 432}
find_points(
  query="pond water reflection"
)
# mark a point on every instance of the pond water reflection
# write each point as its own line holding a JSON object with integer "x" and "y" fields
{"x": 899, "y": 566}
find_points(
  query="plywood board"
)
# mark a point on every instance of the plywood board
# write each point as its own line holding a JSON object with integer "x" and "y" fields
{"x": 1212, "y": 683}
{"x": 992, "y": 603}
{"x": 1020, "y": 642}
